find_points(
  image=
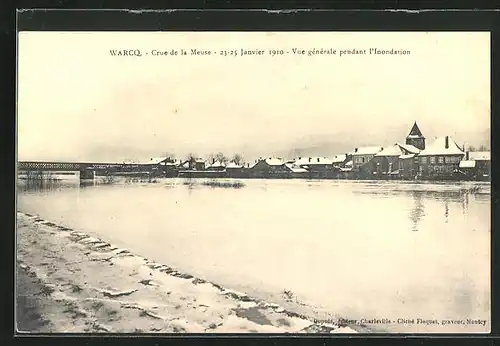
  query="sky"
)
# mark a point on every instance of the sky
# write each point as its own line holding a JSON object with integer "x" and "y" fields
{"x": 76, "y": 102}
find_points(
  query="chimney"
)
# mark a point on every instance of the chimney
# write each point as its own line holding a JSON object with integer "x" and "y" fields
{"x": 467, "y": 155}
{"x": 213, "y": 161}
{"x": 300, "y": 157}
{"x": 309, "y": 159}
{"x": 446, "y": 142}
{"x": 355, "y": 150}
{"x": 318, "y": 159}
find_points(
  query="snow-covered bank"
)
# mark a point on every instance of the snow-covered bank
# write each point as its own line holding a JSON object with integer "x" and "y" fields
{"x": 77, "y": 283}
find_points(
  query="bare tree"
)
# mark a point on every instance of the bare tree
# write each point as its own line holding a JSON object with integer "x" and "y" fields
{"x": 472, "y": 148}
{"x": 483, "y": 148}
{"x": 169, "y": 155}
{"x": 237, "y": 159}
{"x": 191, "y": 157}
{"x": 211, "y": 158}
{"x": 220, "y": 157}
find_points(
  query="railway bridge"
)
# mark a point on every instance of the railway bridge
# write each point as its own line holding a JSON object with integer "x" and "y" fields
{"x": 87, "y": 170}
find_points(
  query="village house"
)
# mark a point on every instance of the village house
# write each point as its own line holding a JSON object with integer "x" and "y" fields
{"x": 296, "y": 171}
{"x": 318, "y": 167}
{"x": 199, "y": 164}
{"x": 362, "y": 163}
{"x": 441, "y": 159}
{"x": 386, "y": 162}
{"x": 234, "y": 170}
{"x": 408, "y": 161}
{"x": 476, "y": 165}
{"x": 341, "y": 160}
{"x": 216, "y": 166}
{"x": 269, "y": 168}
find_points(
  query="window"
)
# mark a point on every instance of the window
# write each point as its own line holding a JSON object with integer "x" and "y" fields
{"x": 433, "y": 160}
{"x": 440, "y": 159}
{"x": 423, "y": 159}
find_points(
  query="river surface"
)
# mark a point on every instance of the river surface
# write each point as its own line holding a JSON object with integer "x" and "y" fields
{"x": 357, "y": 249}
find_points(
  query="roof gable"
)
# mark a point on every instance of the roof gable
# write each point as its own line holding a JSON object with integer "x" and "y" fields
{"x": 415, "y": 132}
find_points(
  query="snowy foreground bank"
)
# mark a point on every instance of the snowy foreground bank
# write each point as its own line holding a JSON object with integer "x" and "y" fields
{"x": 70, "y": 282}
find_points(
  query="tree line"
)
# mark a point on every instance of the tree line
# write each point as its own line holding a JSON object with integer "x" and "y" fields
{"x": 219, "y": 156}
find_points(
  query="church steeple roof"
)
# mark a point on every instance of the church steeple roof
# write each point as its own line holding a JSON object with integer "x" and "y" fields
{"x": 415, "y": 132}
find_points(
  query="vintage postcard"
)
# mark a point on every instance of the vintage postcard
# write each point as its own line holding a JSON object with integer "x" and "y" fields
{"x": 253, "y": 182}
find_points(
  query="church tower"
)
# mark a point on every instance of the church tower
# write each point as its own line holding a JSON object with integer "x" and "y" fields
{"x": 416, "y": 138}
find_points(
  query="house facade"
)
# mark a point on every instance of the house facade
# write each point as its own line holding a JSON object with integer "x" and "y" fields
{"x": 269, "y": 168}
{"x": 362, "y": 161}
{"x": 441, "y": 159}
{"x": 318, "y": 167}
{"x": 476, "y": 165}
{"x": 386, "y": 163}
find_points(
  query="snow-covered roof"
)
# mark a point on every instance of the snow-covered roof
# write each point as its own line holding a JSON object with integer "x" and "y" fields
{"x": 313, "y": 161}
{"x": 339, "y": 158}
{"x": 393, "y": 150}
{"x": 480, "y": 155}
{"x": 348, "y": 163}
{"x": 151, "y": 161}
{"x": 367, "y": 151}
{"x": 274, "y": 162}
{"x": 438, "y": 147}
{"x": 233, "y": 165}
{"x": 415, "y": 132}
{"x": 217, "y": 164}
{"x": 295, "y": 169}
{"x": 467, "y": 164}
{"x": 345, "y": 169}
{"x": 410, "y": 148}
{"x": 409, "y": 156}
{"x": 199, "y": 160}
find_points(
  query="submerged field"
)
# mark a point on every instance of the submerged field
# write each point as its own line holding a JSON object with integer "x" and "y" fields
{"x": 357, "y": 250}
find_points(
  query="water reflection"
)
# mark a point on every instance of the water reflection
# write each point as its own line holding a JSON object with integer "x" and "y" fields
{"x": 35, "y": 186}
{"x": 417, "y": 212}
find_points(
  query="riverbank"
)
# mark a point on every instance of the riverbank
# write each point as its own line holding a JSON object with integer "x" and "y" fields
{"x": 70, "y": 282}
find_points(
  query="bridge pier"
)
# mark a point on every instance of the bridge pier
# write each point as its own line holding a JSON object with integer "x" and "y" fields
{"x": 87, "y": 174}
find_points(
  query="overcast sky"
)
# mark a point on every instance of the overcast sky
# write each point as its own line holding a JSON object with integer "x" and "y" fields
{"x": 77, "y": 102}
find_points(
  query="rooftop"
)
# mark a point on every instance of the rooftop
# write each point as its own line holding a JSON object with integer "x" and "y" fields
{"x": 295, "y": 169}
{"x": 438, "y": 147}
{"x": 480, "y": 155}
{"x": 393, "y": 150}
{"x": 415, "y": 132}
{"x": 313, "y": 161}
{"x": 410, "y": 148}
{"x": 339, "y": 158}
{"x": 367, "y": 150}
{"x": 467, "y": 164}
{"x": 233, "y": 165}
{"x": 274, "y": 162}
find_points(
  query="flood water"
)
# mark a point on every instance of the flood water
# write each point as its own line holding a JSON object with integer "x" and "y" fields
{"x": 355, "y": 249}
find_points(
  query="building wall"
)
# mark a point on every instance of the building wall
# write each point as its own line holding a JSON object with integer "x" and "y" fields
{"x": 385, "y": 164}
{"x": 359, "y": 161}
{"x": 438, "y": 165}
{"x": 263, "y": 170}
{"x": 408, "y": 168}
